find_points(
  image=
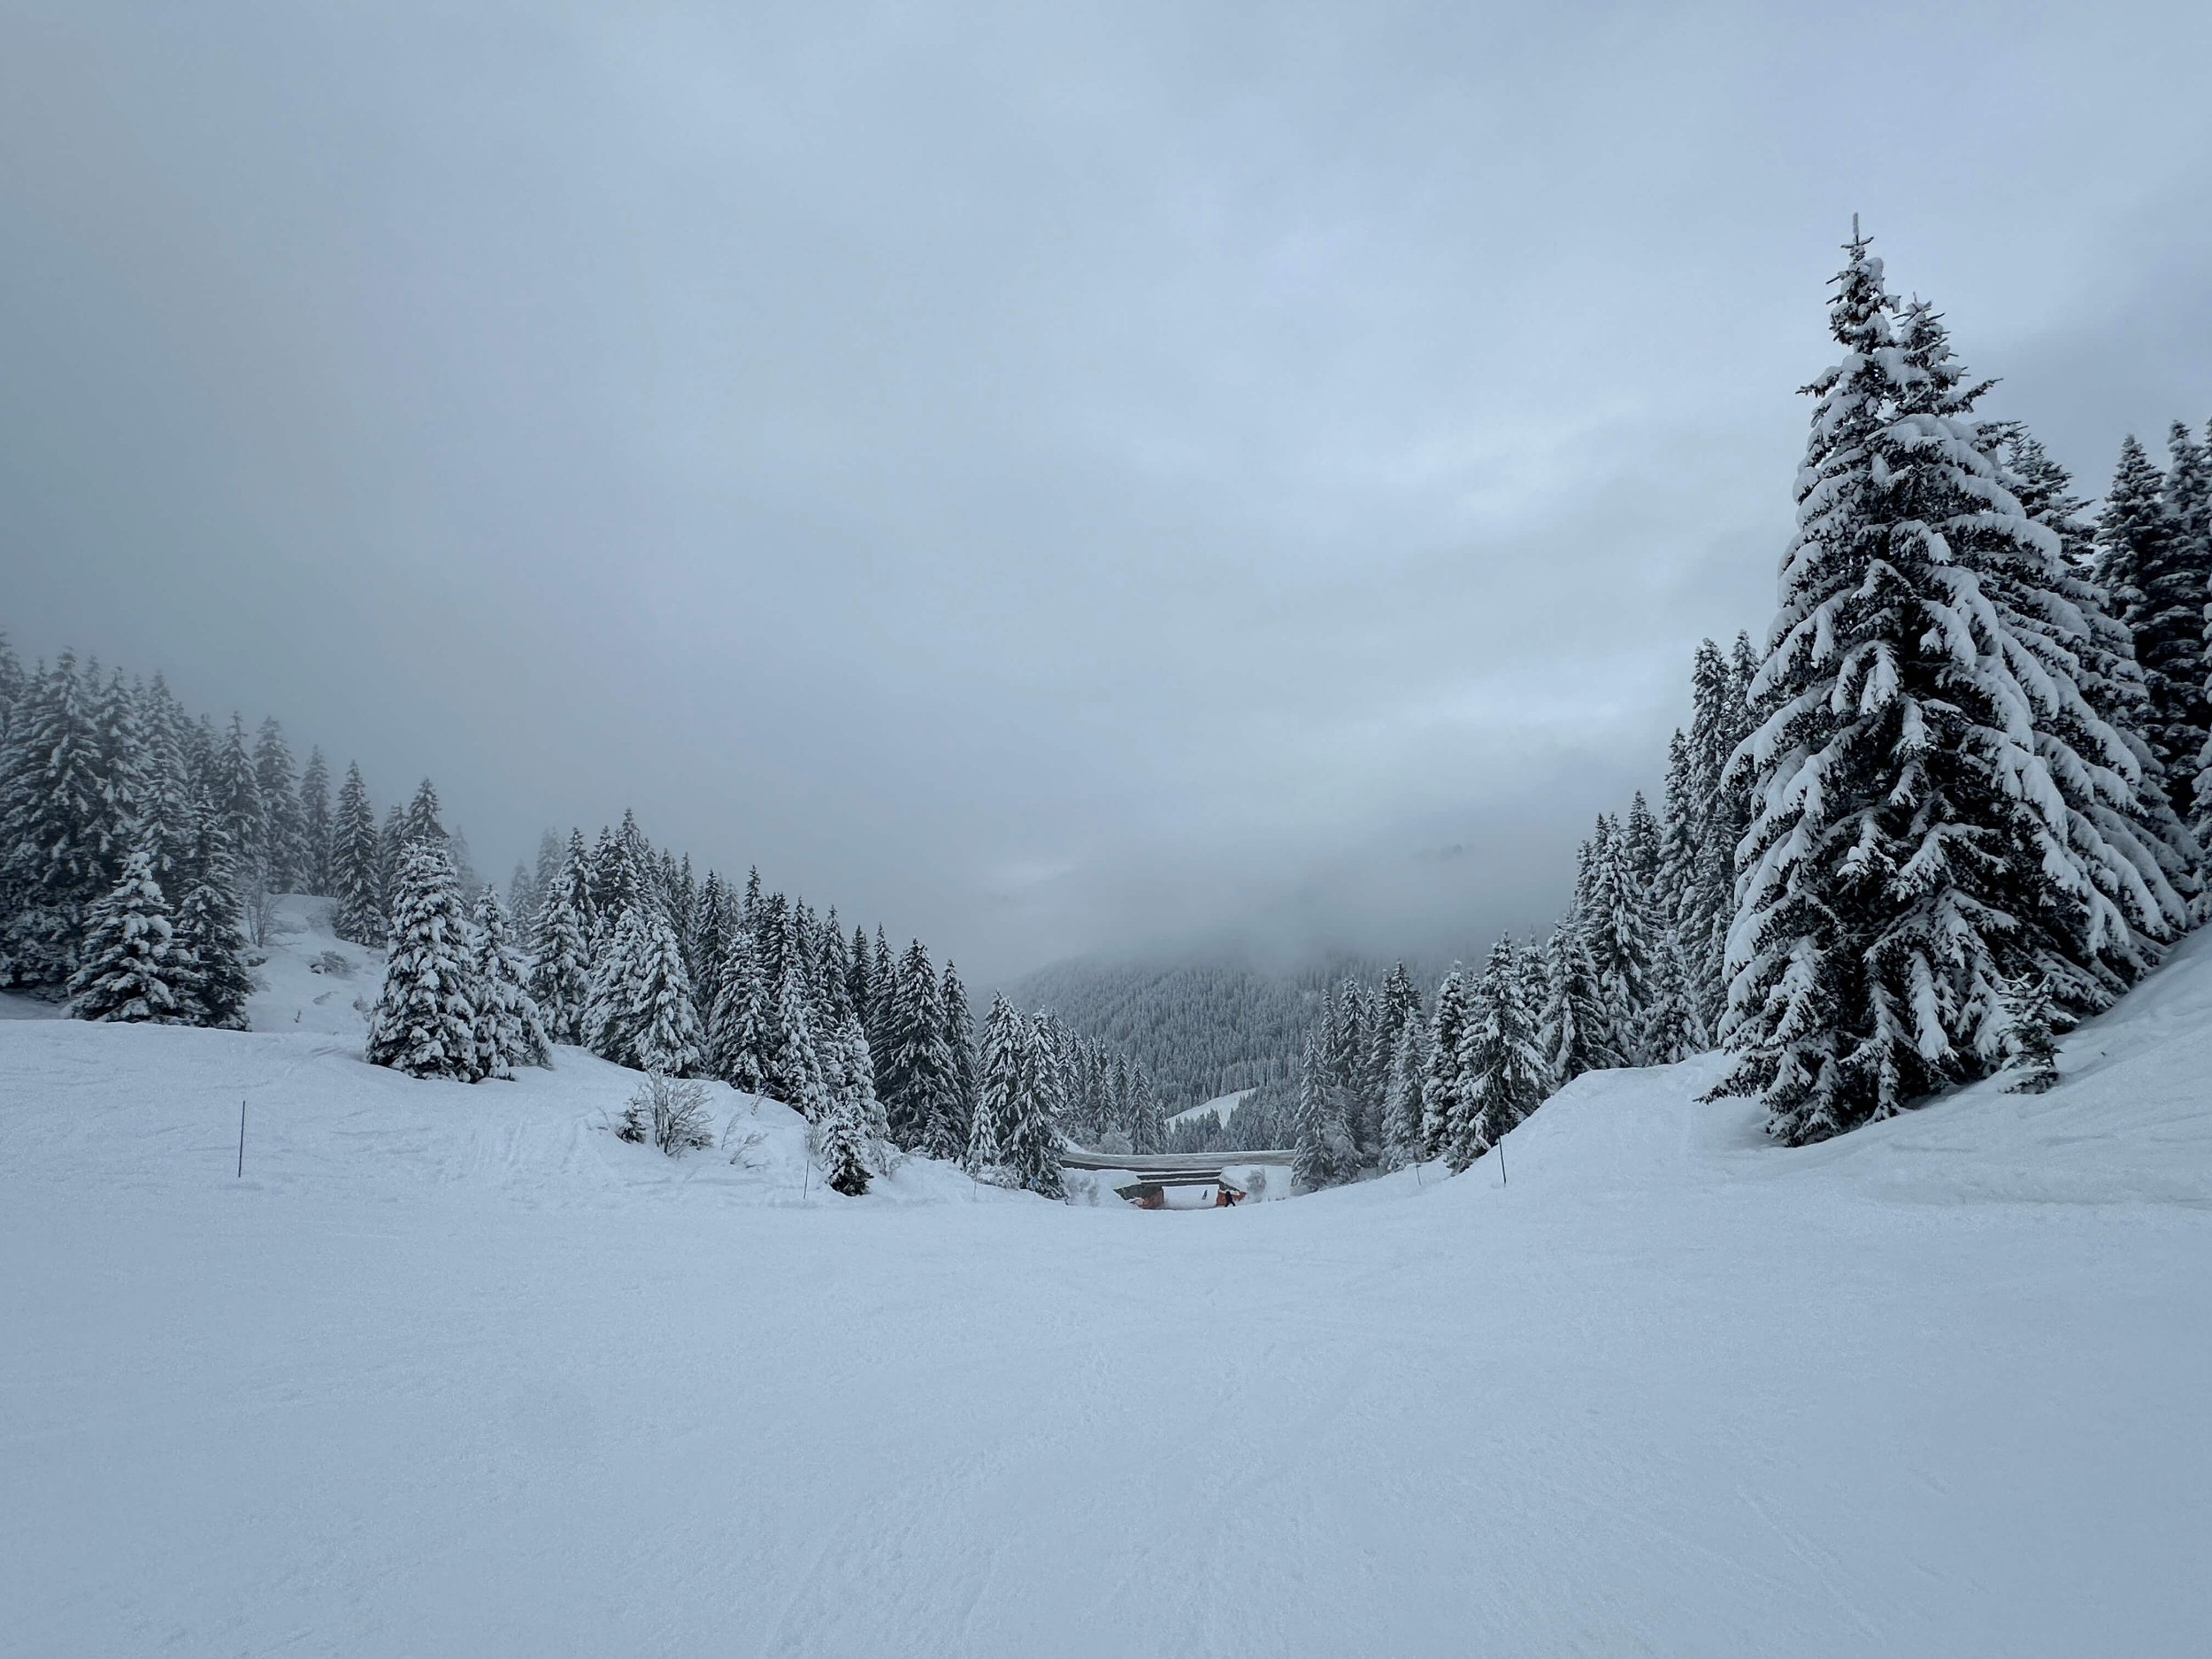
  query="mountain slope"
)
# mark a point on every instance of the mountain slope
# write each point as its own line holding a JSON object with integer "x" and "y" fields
{"x": 451, "y": 1372}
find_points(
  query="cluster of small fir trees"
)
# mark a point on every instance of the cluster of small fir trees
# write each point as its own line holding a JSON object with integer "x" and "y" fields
{"x": 126, "y": 849}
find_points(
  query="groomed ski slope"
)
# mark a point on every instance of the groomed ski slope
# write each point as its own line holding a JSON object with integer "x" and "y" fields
{"x": 453, "y": 1371}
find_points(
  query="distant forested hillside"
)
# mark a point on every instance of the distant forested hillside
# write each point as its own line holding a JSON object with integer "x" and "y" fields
{"x": 1201, "y": 1029}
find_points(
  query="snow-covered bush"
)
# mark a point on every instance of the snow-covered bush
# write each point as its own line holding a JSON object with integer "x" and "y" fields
{"x": 670, "y": 1113}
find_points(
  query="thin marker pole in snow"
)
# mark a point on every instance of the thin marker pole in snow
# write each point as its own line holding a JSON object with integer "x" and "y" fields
{"x": 241, "y": 1141}
{"x": 1500, "y": 1162}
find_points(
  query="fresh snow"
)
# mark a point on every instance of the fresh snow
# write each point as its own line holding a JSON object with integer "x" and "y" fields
{"x": 1219, "y": 1107}
{"x": 453, "y": 1370}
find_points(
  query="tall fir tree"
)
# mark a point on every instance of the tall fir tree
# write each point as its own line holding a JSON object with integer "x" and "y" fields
{"x": 1915, "y": 843}
{"x": 1000, "y": 1078}
{"x": 55, "y": 827}
{"x": 860, "y": 980}
{"x": 235, "y": 787}
{"x": 1443, "y": 1091}
{"x": 288, "y": 862}
{"x": 2085, "y": 623}
{"x": 2099, "y": 928}
{"x": 738, "y": 1043}
{"x": 560, "y": 968}
{"x": 169, "y": 811}
{"x": 510, "y": 1030}
{"x": 1147, "y": 1124}
{"x": 356, "y": 866}
{"x": 424, "y": 820}
{"x": 125, "y": 781}
{"x": 916, "y": 1079}
{"x": 958, "y": 1027}
{"x": 2160, "y": 598}
{"x": 1324, "y": 1155}
{"x": 642, "y": 1012}
{"x": 425, "y": 1021}
{"x": 317, "y": 826}
{"x": 1401, "y": 1098}
{"x": 845, "y": 1138}
{"x": 1618, "y": 930}
{"x": 127, "y": 970}
{"x": 1572, "y": 1029}
{"x": 1504, "y": 1069}
{"x": 794, "y": 1065}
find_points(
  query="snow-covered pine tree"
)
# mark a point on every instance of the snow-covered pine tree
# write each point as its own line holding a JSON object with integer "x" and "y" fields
{"x": 2031, "y": 1049}
{"x": 560, "y": 969}
{"x": 553, "y": 851}
{"x": 860, "y": 979}
{"x": 2186, "y": 502}
{"x": 916, "y": 1077}
{"x": 168, "y": 816}
{"x": 210, "y": 946}
{"x": 2161, "y": 600}
{"x": 124, "y": 780}
{"x": 1909, "y": 817}
{"x": 832, "y": 1000}
{"x": 235, "y": 787}
{"x": 883, "y": 1000}
{"x": 1053, "y": 1047}
{"x": 1443, "y": 1089}
{"x": 510, "y": 1030}
{"x": 1506, "y": 1074}
{"x": 738, "y": 1032}
{"x": 1642, "y": 848}
{"x": 287, "y": 825}
{"x": 1027, "y": 1151}
{"x": 425, "y": 1021}
{"x": 1013, "y": 1140}
{"x": 356, "y": 866}
{"x": 958, "y": 1025}
{"x": 127, "y": 968}
{"x": 1147, "y": 1124}
{"x": 843, "y": 1136}
{"x": 640, "y": 1012}
{"x": 1619, "y": 933}
{"x": 11, "y": 678}
{"x": 391, "y": 847}
{"x": 1402, "y": 1099}
{"x": 2095, "y": 933}
{"x": 54, "y": 826}
{"x": 316, "y": 825}
{"x": 1324, "y": 1155}
{"x": 794, "y": 1066}
{"x": 1572, "y": 1030}
{"x": 1714, "y": 814}
{"x": 1000, "y": 1080}
{"x": 1671, "y": 1032}
{"x": 2111, "y": 678}
{"x": 423, "y": 821}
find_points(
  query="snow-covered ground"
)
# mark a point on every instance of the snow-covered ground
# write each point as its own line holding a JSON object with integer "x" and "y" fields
{"x": 453, "y": 1371}
{"x": 1218, "y": 1108}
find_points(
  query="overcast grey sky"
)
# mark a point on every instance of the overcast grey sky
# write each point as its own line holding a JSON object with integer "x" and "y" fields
{"x": 1048, "y": 477}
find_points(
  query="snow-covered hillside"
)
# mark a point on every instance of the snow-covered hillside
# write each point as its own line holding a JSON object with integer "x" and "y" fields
{"x": 452, "y": 1370}
{"x": 1218, "y": 1109}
